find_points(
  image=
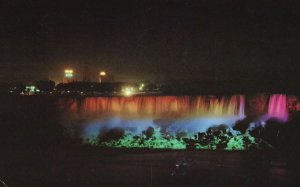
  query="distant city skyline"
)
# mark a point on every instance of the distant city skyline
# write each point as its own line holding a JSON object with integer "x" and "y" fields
{"x": 137, "y": 40}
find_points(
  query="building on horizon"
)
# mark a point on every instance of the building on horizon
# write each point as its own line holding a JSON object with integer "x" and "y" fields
{"x": 68, "y": 76}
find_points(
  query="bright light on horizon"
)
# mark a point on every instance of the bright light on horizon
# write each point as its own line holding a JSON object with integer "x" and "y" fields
{"x": 68, "y": 73}
{"x": 141, "y": 88}
{"x": 102, "y": 73}
{"x": 128, "y": 91}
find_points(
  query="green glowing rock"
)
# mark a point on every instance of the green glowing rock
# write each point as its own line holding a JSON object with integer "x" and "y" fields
{"x": 154, "y": 139}
{"x": 156, "y": 142}
{"x": 235, "y": 143}
{"x": 241, "y": 142}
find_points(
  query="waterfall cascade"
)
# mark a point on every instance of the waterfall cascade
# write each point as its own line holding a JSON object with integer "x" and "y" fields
{"x": 278, "y": 107}
{"x": 157, "y": 106}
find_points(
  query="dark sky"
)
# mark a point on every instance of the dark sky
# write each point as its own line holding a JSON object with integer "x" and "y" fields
{"x": 137, "y": 40}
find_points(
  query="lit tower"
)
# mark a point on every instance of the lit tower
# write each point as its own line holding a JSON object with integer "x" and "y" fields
{"x": 68, "y": 76}
{"x": 85, "y": 72}
{"x": 102, "y": 76}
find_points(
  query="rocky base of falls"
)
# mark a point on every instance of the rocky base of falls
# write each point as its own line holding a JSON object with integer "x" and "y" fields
{"x": 215, "y": 138}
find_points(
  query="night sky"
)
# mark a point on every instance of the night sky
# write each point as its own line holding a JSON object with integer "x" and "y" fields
{"x": 138, "y": 40}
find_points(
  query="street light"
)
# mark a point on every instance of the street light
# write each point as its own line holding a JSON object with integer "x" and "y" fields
{"x": 101, "y": 74}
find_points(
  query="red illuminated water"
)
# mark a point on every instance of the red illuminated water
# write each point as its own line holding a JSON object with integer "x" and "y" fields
{"x": 163, "y": 105}
{"x": 276, "y": 106}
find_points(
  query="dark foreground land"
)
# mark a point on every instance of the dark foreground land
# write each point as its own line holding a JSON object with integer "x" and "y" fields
{"x": 61, "y": 166}
{"x": 37, "y": 151}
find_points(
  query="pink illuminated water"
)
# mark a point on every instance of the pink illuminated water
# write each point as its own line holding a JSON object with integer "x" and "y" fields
{"x": 278, "y": 107}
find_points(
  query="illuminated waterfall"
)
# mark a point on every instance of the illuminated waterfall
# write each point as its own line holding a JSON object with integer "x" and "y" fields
{"x": 159, "y": 106}
{"x": 278, "y": 107}
{"x": 171, "y": 117}
{"x": 274, "y": 106}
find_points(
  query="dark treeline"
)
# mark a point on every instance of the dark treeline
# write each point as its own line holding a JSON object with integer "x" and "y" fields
{"x": 165, "y": 88}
